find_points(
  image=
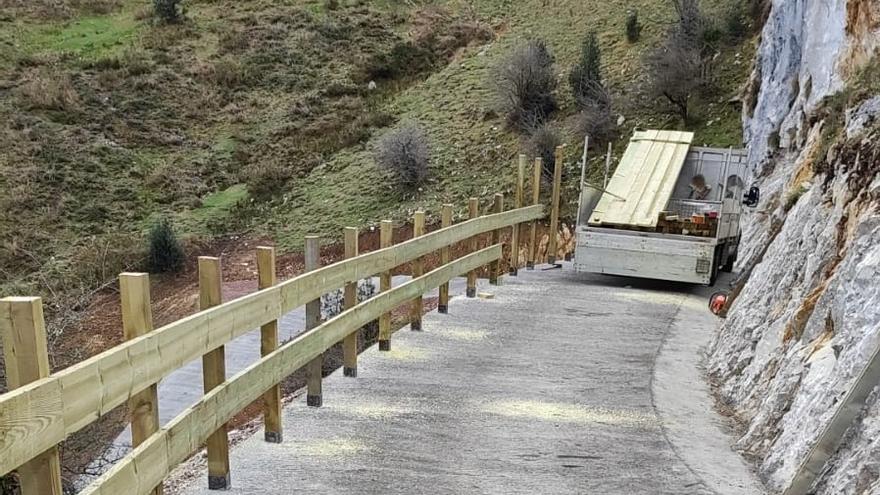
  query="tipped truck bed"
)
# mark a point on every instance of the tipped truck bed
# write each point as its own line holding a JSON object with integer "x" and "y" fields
{"x": 645, "y": 255}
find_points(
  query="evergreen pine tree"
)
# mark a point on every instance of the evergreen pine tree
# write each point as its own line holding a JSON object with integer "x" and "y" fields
{"x": 586, "y": 77}
{"x": 166, "y": 253}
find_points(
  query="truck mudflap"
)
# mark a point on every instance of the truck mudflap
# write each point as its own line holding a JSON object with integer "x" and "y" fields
{"x": 645, "y": 255}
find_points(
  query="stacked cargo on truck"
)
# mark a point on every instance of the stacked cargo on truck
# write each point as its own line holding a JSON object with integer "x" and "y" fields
{"x": 671, "y": 211}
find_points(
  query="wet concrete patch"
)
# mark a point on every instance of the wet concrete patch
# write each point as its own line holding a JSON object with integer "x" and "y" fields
{"x": 334, "y": 447}
{"x": 573, "y": 413}
{"x": 462, "y": 334}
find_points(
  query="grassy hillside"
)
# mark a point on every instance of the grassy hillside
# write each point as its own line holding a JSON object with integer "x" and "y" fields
{"x": 255, "y": 117}
{"x": 473, "y": 153}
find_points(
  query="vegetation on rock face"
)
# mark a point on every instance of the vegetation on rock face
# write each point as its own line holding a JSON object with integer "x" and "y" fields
{"x": 832, "y": 112}
{"x": 793, "y": 196}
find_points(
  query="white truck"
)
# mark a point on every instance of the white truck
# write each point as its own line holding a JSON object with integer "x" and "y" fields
{"x": 671, "y": 211}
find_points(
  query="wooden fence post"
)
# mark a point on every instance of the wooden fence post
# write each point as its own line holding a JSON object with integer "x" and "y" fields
{"x": 386, "y": 239}
{"x": 267, "y": 277}
{"x": 473, "y": 212}
{"x": 418, "y": 269}
{"x": 536, "y": 199}
{"x": 554, "y": 212}
{"x": 27, "y": 359}
{"x": 515, "y": 235}
{"x": 214, "y": 373}
{"x": 350, "y": 343}
{"x": 313, "y": 318}
{"x": 137, "y": 320}
{"x": 445, "y": 221}
{"x": 495, "y": 266}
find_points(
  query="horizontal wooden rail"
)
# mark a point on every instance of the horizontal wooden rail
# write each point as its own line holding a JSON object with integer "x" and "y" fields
{"x": 147, "y": 465}
{"x": 38, "y": 416}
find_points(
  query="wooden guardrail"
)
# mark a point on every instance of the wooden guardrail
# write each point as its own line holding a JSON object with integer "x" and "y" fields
{"x": 43, "y": 409}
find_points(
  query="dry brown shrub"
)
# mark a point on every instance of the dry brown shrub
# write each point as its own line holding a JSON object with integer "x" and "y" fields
{"x": 229, "y": 73}
{"x": 49, "y": 90}
{"x": 405, "y": 153}
{"x": 55, "y": 9}
{"x": 95, "y": 6}
{"x": 175, "y": 183}
{"x": 524, "y": 82}
{"x": 233, "y": 41}
{"x": 265, "y": 178}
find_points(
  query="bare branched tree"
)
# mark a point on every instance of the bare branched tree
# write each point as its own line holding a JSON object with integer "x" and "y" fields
{"x": 524, "y": 83}
{"x": 675, "y": 72}
{"x": 543, "y": 143}
{"x": 676, "y": 66}
{"x": 691, "y": 23}
{"x": 405, "y": 153}
{"x": 597, "y": 120}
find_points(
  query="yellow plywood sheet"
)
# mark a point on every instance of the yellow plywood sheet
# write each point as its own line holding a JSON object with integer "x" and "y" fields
{"x": 644, "y": 179}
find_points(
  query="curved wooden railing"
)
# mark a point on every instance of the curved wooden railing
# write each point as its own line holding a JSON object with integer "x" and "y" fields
{"x": 46, "y": 408}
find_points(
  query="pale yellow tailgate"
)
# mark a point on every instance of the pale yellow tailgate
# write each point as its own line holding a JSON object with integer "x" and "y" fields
{"x": 644, "y": 179}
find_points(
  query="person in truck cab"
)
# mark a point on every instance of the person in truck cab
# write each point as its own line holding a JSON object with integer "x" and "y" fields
{"x": 699, "y": 189}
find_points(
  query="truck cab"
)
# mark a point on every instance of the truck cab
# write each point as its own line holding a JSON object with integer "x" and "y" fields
{"x": 671, "y": 211}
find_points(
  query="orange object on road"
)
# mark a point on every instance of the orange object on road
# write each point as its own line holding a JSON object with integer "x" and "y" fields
{"x": 717, "y": 302}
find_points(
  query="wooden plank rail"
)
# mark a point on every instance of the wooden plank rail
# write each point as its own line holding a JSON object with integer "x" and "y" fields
{"x": 39, "y": 415}
{"x": 147, "y": 465}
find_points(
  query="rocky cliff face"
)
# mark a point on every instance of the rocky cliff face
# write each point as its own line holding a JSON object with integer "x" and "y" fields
{"x": 808, "y": 318}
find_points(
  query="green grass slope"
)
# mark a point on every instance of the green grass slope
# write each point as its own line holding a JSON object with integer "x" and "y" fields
{"x": 472, "y": 152}
{"x": 255, "y": 117}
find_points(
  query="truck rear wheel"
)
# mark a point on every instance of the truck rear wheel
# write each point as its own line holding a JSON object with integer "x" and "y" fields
{"x": 731, "y": 259}
{"x": 728, "y": 267}
{"x": 716, "y": 264}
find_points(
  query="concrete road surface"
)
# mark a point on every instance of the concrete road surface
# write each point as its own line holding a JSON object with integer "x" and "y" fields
{"x": 184, "y": 387}
{"x": 561, "y": 384}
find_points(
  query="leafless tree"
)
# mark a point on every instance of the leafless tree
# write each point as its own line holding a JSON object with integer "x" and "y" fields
{"x": 405, "y": 153}
{"x": 691, "y": 23}
{"x": 597, "y": 120}
{"x": 676, "y": 66}
{"x": 524, "y": 83}
{"x": 543, "y": 143}
{"x": 675, "y": 70}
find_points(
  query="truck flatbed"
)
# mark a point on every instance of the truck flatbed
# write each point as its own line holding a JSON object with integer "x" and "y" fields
{"x": 646, "y": 222}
